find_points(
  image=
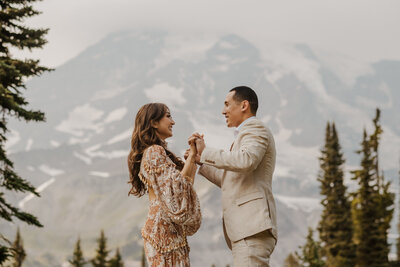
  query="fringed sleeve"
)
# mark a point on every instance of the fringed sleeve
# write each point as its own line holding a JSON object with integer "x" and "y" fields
{"x": 174, "y": 191}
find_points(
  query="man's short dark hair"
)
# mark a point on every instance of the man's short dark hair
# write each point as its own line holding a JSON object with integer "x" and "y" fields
{"x": 246, "y": 93}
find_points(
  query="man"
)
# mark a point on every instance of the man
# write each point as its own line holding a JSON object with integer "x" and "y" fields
{"x": 245, "y": 176}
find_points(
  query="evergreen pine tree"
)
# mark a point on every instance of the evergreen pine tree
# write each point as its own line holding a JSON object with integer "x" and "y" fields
{"x": 18, "y": 251}
{"x": 77, "y": 259}
{"x": 385, "y": 197}
{"x": 117, "y": 260}
{"x": 13, "y": 74}
{"x": 311, "y": 252}
{"x": 291, "y": 261}
{"x": 101, "y": 257}
{"x": 398, "y": 222}
{"x": 372, "y": 204}
{"x": 335, "y": 228}
{"x": 366, "y": 232}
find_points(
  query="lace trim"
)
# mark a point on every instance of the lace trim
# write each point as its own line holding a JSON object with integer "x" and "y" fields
{"x": 144, "y": 180}
{"x": 168, "y": 248}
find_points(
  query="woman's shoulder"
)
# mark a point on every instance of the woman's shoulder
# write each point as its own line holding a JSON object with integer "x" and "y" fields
{"x": 154, "y": 151}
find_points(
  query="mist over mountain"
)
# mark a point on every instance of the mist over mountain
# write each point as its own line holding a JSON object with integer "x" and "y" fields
{"x": 77, "y": 159}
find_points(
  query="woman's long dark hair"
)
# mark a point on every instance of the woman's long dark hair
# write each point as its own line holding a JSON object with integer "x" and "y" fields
{"x": 143, "y": 136}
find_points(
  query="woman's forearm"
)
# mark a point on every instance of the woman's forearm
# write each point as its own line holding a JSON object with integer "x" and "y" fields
{"x": 189, "y": 168}
{"x": 194, "y": 169}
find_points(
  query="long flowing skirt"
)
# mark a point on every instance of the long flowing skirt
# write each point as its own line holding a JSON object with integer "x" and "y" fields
{"x": 176, "y": 258}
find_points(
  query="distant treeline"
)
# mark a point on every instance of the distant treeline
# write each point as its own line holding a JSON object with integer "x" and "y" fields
{"x": 101, "y": 259}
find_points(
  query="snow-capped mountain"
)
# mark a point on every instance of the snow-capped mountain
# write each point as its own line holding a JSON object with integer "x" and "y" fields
{"x": 77, "y": 159}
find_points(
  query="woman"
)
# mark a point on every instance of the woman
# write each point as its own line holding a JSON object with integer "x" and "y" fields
{"x": 174, "y": 211}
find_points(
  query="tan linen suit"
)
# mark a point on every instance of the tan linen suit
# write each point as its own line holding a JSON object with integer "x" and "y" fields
{"x": 245, "y": 177}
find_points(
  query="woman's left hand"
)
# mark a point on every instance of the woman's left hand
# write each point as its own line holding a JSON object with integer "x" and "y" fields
{"x": 192, "y": 149}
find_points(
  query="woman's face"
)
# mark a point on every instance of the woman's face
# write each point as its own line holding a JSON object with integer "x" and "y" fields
{"x": 164, "y": 126}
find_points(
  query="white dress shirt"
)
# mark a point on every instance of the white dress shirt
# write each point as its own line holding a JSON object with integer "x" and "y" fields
{"x": 236, "y": 132}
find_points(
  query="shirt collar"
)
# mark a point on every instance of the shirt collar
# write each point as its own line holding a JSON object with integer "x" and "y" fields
{"x": 236, "y": 132}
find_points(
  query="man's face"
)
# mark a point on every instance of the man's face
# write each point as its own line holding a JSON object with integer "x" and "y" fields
{"x": 232, "y": 111}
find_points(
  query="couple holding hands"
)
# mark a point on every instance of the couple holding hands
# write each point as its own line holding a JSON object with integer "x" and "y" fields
{"x": 244, "y": 174}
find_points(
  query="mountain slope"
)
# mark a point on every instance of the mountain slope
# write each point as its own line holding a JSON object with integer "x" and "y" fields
{"x": 78, "y": 157}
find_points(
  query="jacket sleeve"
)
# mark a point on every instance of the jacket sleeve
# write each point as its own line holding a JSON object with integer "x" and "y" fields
{"x": 174, "y": 191}
{"x": 253, "y": 145}
{"x": 212, "y": 174}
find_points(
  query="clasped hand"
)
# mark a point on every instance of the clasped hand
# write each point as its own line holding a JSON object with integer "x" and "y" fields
{"x": 197, "y": 145}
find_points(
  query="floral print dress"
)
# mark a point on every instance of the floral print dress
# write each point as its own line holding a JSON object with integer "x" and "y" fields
{"x": 173, "y": 214}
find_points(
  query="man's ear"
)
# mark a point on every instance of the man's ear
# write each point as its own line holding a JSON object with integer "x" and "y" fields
{"x": 245, "y": 105}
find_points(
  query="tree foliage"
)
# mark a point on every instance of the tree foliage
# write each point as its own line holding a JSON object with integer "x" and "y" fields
{"x": 14, "y": 34}
{"x": 311, "y": 253}
{"x": 116, "y": 261}
{"x": 17, "y": 251}
{"x": 372, "y": 204}
{"x": 291, "y": 261}
{"x": 100, "y": 259}
{"x": 335, "y": 227}
{"x": 77, "y": 259}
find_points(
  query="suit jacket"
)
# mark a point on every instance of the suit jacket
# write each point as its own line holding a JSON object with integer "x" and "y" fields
{"x": 245, "y": 176}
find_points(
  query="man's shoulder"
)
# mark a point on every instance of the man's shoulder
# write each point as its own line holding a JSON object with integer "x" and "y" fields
{"x": 256, "y": 129}
{"x": 255, "y": 125}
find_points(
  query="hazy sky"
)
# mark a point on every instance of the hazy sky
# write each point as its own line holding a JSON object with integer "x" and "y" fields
{"x": 363, "y": 29}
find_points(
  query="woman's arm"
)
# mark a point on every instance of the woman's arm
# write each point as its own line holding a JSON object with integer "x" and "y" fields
{"x": 190, "y": 167}
{"x": 174, "y": 190}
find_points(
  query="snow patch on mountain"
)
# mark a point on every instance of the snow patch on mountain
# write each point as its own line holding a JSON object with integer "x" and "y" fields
{"x": 54, "y": 143}
{"x": 30, "y": 168}
{"x": 39, "y": 189}
{"x": 94, "y": 152}
{"x": 300, "y": 203}
{"x": 50, "y": 171}
{"x": 345, "y": 67}
{"x": 165, "y": 93}
{"x": 294, "y": 161}
{"x": 110, "y": 92}
{"x": 390, "y": 145}
{"x": 215, "y": 134}
{"x": 80, "y": 119}
{"x": 85, "y": 159}
{"x": 282, "y": 171}
{"x": 29, "y": 144}
{"x": 116, "y": 115}
{"x": 100, "y": 174}
{"x": 188, "y": 48}
{"x": 289, "y": 60}
{"x": 124, "y": 136}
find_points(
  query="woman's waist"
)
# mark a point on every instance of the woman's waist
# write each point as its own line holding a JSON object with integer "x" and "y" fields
{"x": 163, "y": 235}
{"x": 157, "y": 222}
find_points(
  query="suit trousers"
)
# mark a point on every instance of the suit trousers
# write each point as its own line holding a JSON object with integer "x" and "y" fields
{"x": 253, "y": 251}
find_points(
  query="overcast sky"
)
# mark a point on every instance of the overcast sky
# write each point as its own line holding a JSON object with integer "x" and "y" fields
{"x": 364, "y": 29}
